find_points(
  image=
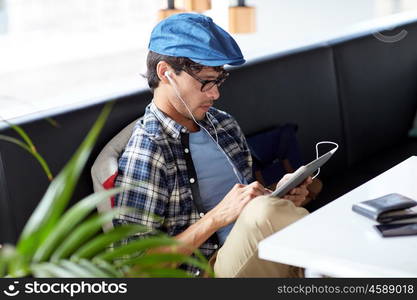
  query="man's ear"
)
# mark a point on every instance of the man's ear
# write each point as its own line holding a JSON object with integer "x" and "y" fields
{"x": 161, "y": 68}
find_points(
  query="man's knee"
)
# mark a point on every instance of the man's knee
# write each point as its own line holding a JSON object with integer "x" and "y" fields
{"x": 273, "y": 212}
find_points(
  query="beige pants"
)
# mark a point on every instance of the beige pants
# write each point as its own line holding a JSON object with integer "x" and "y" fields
{"x": 261, "y": 217}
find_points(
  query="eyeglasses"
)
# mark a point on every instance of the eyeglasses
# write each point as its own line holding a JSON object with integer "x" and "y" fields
{"x": 207, "y": 85}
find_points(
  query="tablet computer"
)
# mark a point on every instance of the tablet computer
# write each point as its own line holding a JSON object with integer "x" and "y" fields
{"x": 301, "y": 174}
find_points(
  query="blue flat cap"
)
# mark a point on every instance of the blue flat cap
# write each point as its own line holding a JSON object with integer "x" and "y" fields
{"x": 196, "y": 37}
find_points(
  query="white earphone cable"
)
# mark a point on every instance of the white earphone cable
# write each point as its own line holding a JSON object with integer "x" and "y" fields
{"x": 195, "y": 121}
{"x": 317, "y": 153}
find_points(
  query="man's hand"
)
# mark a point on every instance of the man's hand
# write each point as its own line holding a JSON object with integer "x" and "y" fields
{"x": 297, "y": 195}
{"x": 229, "y": 209}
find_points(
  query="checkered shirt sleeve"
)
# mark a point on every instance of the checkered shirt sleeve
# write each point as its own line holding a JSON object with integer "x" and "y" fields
{"x": 142, "y": 171}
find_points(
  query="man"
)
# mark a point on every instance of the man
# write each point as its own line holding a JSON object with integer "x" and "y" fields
{"x": 190, "y": 162}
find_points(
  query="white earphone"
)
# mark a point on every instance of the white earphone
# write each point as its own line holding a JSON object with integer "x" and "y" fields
{"x": 317, "y": 152}
{"x": 216, "y": 141}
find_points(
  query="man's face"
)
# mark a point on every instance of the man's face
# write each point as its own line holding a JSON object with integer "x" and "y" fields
{"x": 190, "y": 90}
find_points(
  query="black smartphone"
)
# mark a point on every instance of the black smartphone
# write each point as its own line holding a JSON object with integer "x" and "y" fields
{"x": 390, "y": 230}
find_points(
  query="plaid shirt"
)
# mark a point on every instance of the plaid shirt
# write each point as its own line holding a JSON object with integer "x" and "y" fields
{"x": 157, "y": 160}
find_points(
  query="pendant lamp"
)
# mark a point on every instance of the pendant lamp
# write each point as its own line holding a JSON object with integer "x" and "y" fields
{"x": 169, "y": 11}
{"x": 197, "y": 5}
{"x": 242, "y": 18}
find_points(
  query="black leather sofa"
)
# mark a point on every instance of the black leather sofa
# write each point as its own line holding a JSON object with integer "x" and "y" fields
{"x": 357, "y": 91}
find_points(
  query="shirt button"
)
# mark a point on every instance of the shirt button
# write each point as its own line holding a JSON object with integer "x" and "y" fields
{"x": 192, "y": 180}
{"x": 186, "y": 150}
{"x": 201, "y": 214}
{"x": 183, "y": 130}
{"x": 197, "y": 273}
{"x": 216, "y": 246}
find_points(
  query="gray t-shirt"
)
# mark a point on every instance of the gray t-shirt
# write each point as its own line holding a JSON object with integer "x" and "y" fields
{"x": 214, "y": 172}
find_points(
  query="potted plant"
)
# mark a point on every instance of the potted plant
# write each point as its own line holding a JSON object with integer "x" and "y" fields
{"x": 60, "y": 242}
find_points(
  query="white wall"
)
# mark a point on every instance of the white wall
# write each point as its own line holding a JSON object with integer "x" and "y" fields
{"x": 59, "y": 52}
{"x": 283, "y": 24}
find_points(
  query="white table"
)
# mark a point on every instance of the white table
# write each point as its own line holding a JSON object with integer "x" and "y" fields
{"x": 338, "y": 242}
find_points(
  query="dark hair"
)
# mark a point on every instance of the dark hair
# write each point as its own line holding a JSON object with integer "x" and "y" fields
{"x": 177, "y": 63}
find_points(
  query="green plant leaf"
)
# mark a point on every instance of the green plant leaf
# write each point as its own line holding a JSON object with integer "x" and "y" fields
{"x": 15, "y": 141}
{"x": 160, "y": 273}
{"x": 81, "y": 234}
{"x": 69, "y": 220}
{"x": 53, "y": 122}
{"x": 103, "y": 241}
{"x": 16, "y": 264}
{"x": 94, "y": 269}
{"x": 40, "y": 272}
{"x": 53, "y": 270}
{"x": 22, "y": 134}
{"x": 35, "y": 154}
{"x": 206, "y": 266}
{"x": 139, "y": 245}
{"x": 56, "y": 198}
{"x": 3, "y": 264}
{"x": 107, "y": 267}
{"x": 76, "y": 269}
{"x": 68, "y": 269}
{"x": 156, "y": 259}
